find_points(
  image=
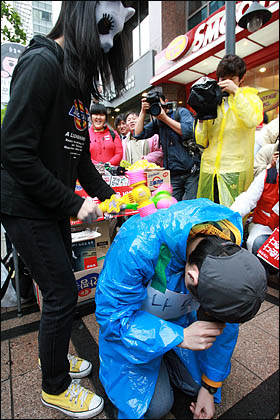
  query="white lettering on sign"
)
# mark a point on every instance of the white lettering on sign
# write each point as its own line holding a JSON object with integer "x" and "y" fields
{"x": 212, "y": 33}
{"x": 215, "y": 26}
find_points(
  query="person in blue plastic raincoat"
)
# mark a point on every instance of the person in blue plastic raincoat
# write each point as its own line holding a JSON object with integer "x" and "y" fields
{"x": 145, "y": 312}
{"x": 227, "y": 163}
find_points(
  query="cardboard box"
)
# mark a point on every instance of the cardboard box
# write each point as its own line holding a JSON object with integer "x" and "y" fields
{"x": 157, "y": 177}
{"x": 86, "y": 283}
{"x": 103, "y": 242}
{"x": 105, "y": 228}
{"x": 91, "y": 253}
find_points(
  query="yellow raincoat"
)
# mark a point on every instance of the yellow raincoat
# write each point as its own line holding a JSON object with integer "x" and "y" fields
{"x": 229, "y": 146}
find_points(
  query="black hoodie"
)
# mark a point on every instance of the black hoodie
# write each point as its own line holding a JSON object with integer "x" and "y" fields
{"x": 45, "y": 140}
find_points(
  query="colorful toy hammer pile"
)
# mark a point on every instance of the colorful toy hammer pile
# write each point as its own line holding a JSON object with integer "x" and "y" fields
{"x": 140, "y": 198}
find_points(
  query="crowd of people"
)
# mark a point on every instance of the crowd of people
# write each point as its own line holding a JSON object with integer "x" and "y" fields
{"x": 176, "y": 284}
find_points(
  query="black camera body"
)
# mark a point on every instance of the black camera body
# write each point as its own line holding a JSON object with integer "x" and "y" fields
{"x": 155, "y": 105}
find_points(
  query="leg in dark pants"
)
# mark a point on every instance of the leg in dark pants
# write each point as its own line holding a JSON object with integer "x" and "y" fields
{"x": 185, "y": 186}
{"x": 45, "y": 247}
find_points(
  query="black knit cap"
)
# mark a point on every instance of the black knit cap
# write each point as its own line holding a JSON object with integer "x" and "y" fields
{"x": 231, "y": 288}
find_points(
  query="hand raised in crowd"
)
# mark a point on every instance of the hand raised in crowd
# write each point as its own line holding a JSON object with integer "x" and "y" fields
{"x": 144, "y": 105}
{"x": 228, "y": 85}
{"x": 204, "y": 407}
{"x": 201, "y": 335}
{"x": 89, "y": 211}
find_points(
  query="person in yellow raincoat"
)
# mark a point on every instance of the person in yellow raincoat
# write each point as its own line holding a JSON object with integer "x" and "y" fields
{"x": 228, "y": 159}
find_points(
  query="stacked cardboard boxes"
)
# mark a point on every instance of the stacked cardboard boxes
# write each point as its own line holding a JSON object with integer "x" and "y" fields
{"x": 89, "y": 248}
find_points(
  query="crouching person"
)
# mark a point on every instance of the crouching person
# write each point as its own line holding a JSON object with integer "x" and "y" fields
{"x": 174, "y": 287}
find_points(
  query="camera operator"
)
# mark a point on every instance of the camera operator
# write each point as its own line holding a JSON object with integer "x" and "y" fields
{"x": 227, "y": 162}
{"x": 175, "y": 129}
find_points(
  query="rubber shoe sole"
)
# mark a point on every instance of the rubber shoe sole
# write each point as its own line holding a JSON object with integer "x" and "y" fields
{"x": 86, "y": 415}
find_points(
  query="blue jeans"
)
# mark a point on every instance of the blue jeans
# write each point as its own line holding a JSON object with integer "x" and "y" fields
{"x": 45, "y": 247}
{"x": 185, "y": 186}
{"x": 163, "y": 397}
{"x": 172, "y": 371}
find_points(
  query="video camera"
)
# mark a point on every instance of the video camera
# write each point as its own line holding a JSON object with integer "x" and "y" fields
{"x": 155, "y": 105}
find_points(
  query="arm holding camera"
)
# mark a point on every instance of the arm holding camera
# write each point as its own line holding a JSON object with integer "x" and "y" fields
{"x": 174, "y": 125}
{"x": 140, "y": 122}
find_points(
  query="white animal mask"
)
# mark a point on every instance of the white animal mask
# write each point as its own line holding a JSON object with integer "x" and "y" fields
{"x": 110, "y": 19}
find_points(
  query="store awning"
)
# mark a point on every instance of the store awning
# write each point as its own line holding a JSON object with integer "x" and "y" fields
{"x": 206, "y": 44}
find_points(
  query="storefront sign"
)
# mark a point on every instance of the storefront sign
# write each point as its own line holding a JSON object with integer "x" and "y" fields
{"x": 178, "y": 47}
{"x": 201, "y": 37}
{"x": 270, "y": 99}
{"x": 215, "y": 26}
{"x": 10, "y": 52}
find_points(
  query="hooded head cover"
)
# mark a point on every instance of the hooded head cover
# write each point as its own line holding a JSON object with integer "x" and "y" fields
{"x": 205, "y": 96}
{"x": 231, "y": 288}
{"x": 111, "y": 17}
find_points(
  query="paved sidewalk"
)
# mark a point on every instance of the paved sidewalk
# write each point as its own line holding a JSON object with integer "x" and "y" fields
{"x": 250, "y": 392}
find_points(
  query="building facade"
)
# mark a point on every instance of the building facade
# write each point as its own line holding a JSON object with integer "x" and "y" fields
{"x": 174, "y": 43}
{"x": 36, "y": 17}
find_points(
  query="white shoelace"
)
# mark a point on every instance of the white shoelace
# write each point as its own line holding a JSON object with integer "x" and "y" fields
{"x": 73, "y": 359}
{"x": 76, "y": 391}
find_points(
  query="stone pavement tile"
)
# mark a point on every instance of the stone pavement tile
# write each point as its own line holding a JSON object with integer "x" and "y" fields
{"x": 92, "y": 326}
{"x": 5, "y": 400}
{"x": 5, "y": 361}
{"x": 264, "y": 307}
{"x": 27, "y": 398}
{"x": 24, "y": 353}
{"x": 268, "y": 321}
{"x": 72, "y": 349}
{"x": 18, "y": 321}
{"x": 238, "y": 384}
{"x": 257, "y": 350}
{"x": 273, "y": 292}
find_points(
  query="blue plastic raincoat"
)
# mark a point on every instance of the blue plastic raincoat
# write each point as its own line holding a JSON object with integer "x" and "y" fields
{"x": 132, "y": 341}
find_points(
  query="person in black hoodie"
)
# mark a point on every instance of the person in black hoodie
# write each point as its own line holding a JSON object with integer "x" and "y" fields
{"x": 45, "y": 149}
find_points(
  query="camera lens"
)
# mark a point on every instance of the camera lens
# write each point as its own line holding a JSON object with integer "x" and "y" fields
{"x": 155, "y": 110}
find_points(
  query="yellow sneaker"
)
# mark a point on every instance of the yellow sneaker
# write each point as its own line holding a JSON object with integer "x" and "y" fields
{"x": 79, "y": 368}
{"x": 77, "y": 401}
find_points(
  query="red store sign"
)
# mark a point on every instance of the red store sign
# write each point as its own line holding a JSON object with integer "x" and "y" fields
{"x": 202, "y": 35}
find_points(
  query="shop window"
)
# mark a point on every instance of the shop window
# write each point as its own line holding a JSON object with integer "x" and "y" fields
{"x": 265, "y": 77}
{"x": 200, "y": 10}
